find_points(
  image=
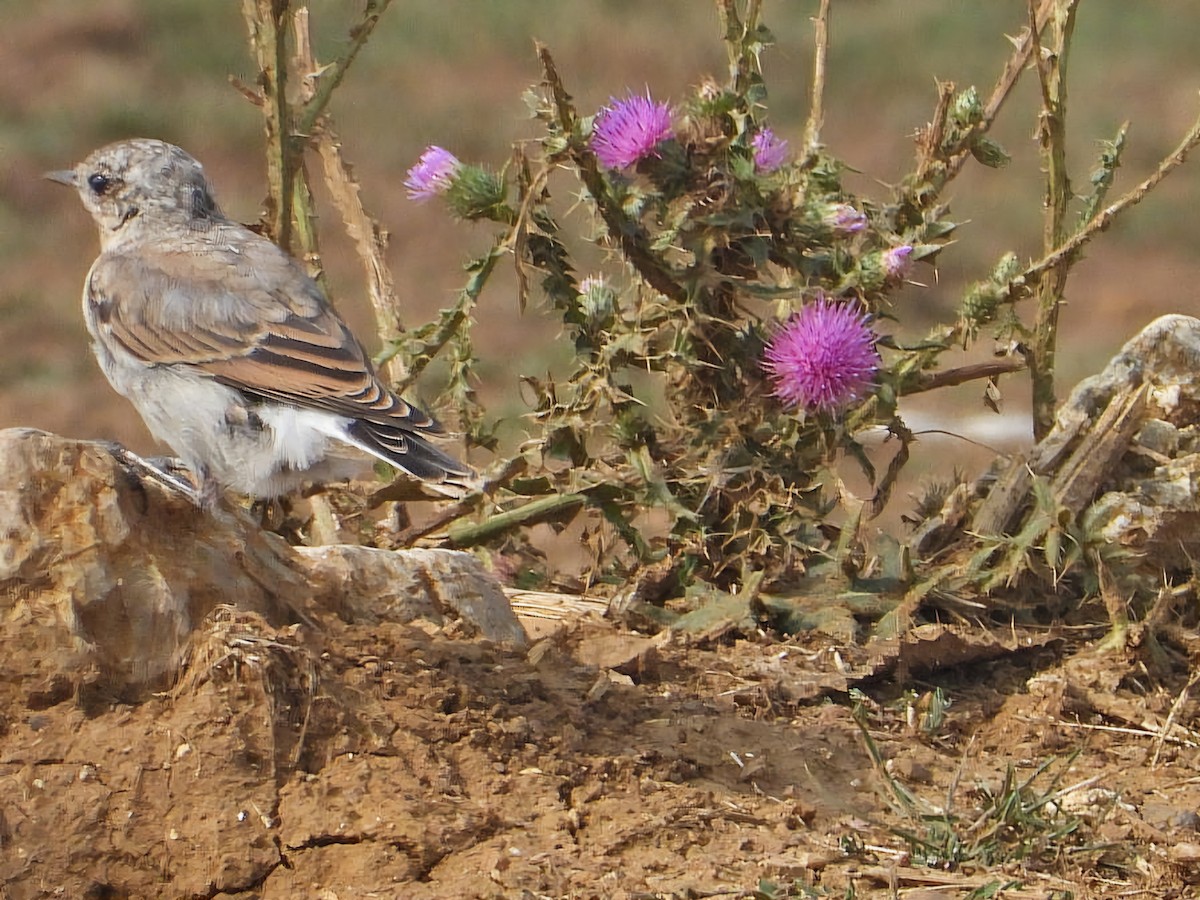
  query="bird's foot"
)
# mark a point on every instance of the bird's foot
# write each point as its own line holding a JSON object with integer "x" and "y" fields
{"x": 171, "y": 473}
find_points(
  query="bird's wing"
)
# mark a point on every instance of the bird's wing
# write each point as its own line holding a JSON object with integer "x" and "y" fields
{"x": 243, "y": 313}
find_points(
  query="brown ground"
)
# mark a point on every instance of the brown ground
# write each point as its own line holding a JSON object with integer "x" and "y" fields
{"x": 392, "y": 762}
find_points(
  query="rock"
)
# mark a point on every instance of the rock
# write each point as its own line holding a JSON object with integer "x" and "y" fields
{"x": 109, "y": 572}
{"x": 113, "y": 571}
{"x": 365, "y": 584}
{"x": 629, "y": 654}
{"x": 1123, "y": 455}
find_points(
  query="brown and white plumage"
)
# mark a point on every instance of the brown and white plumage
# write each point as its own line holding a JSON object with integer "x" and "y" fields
{"x": 227, "y": 348}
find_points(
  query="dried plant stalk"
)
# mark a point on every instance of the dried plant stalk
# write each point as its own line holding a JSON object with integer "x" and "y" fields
{"x": 266, "y": 21}
{"x": 1052, "y": 135}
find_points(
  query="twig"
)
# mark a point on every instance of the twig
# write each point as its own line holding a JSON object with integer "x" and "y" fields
{"x": 929, "y": 143}
{"x": 1117, "y": 729}
{"x": 531, "y": 191}
{"x": 939, "y": 160}
{"x": 931, "y": 381}
{"x": 451, "y": 322}
{"x": 1103, "y": 219}
{"x": 1067, "y": 791}
{"x": 1017, "y": 63}
{"x": 331, "y": 76}
{"x": 816, "y": 104}
{"x": 465, "y": 506}
{"x": 1172, "y": 716}
{"x": 303, "y": 211}
{"x": 370, "y": 243}
{"x": 265, "y": 21}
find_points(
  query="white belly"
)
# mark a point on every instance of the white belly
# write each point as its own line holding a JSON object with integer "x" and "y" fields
{"x": 259, "y": 449}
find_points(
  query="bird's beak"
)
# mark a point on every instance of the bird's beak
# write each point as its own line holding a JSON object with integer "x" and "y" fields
{"x": 63, "y": 176}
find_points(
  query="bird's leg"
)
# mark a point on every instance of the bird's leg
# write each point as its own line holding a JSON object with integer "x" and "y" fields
{"x": 209, "y": 491}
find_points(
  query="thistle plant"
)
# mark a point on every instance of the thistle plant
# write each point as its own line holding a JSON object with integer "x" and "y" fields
{"x": 740, "y": 332}
{"x": 770, "y": 152}
{"x": 752, "y": 282}
{"x": 627, "y": 131}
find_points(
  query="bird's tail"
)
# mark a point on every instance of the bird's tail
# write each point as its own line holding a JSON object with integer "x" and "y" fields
{"x": 413, "y": 453}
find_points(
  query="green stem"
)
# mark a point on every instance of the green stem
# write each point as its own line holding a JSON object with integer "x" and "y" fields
{"x": 1104, "y": 218}
{"x": 305, "y": 230}
{"x": 452, "y": 321}
{"x": 1052, "y": 70}
{"x": 467, "y": 534}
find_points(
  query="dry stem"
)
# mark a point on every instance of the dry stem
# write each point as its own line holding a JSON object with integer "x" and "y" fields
{"x": 816, "y": 106}
{"x": 1017, "y": 62}
{"x": 265, "y": 23}
{"x": 931, "y": 381}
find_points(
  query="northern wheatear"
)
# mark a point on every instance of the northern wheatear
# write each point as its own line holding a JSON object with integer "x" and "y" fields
{"x": 228, "y": 349}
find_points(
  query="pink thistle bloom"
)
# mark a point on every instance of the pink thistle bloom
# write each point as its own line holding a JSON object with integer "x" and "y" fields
{"x": 896, "y": 262}
{"x": 844, "y": 218}
{"x": 770, "y": 152}
{"x": 628, "y": 130}
{"x": 823, "y": 357}
{"x": 432, "y": 174}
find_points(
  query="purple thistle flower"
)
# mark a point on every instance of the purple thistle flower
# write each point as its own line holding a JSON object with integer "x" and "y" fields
{"x": 770, "y": 152}
{"x": 823, "y": 357}
{"x": 844, "y": 218}
{"x": 432, "y": 174}
{"x": 896, "y": 262}
{"x": 628, "y": 130}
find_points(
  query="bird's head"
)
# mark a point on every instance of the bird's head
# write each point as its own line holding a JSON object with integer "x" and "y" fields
{"x": 134, "y": 185}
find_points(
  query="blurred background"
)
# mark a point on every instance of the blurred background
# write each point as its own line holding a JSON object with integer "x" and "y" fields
{"x": 81, "y": 74}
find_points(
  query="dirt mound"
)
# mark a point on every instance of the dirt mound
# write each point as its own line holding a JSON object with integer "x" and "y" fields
{"x": 359, "y": 760}
{"x": 391, "y": 761}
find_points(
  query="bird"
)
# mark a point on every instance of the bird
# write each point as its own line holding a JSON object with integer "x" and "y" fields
{"x": 229, "y": 350}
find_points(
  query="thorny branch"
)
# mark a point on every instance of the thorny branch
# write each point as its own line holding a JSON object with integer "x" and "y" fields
{"x": 743, "y": 64}
{"x": 1052, "y": 138}
{"x": 1016, "y": 64}
{"x": 331, "y": 76}
{"x": 1103, "y": 219}
{"x": 265, "y": 20}
{"x": 940, "y": 164}
{"x": 932, "y": 381}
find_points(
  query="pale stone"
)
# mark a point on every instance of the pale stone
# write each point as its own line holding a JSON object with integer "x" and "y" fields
{"x": 1123, "y": 455}
{"x": 108, "y": 572}
{"x": 366, "y": 584}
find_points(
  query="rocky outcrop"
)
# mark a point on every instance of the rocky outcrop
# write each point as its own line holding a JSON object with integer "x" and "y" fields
{"x": 1123, "y": 459}
{"x": 109, "y": 570}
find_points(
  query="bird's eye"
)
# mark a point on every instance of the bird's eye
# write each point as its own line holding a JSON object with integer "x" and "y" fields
{"x": 99, "y": 183}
